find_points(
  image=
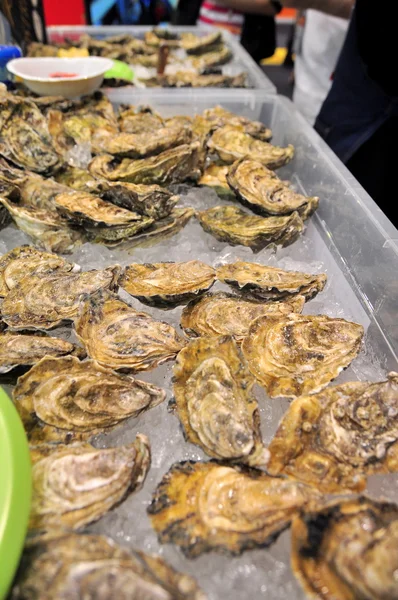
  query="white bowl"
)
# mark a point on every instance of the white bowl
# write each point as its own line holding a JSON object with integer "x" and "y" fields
{"x": 36, "y": 74}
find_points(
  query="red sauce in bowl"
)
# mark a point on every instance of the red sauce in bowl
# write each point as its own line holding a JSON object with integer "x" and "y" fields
{"x": 59, "y": 74}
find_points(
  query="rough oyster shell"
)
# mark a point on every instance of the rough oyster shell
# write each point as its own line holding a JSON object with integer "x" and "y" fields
{"x": 43, "y": 302}
{"x": 214, "y": 401}
{"x": 231, "y": 144}
{"x": 163, "y": 229}
{"x": 117, "y": 335}
{"x": 88, "y": 566}
{"x": 226, "y": 314}
{"x": 300, "y": 354}
{"x": 233, "y": 225}
{"x": 37, "y": 49}
{"x": 270, "y": 283}
{"x": 215, "y": 176}
{"x": 264, "y": 193}
{"x": 220, "y": 117}
{"x": 334, "y": 439}
{"x": 183, "y": 79}
{"x": 347, "y": 550}
{"x": 194, "y": 44}
{"x": 141, "y": 120}
{"x": 172, "y": 166}
{"x": 216, "y": 56}
{"x": 27, "y": 260}
{"x": 77, "y": 179}
{"x": 158, "y": 37}
{"x": 167, "y": 284}
{"x": 205, "y": 506}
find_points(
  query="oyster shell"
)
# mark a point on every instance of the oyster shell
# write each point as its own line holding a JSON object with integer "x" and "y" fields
{"x": 215, "y": 176}
{"x": 43, "y": 302}
{"x": 83, "y": 397}
{"x": 77, "y": 484}
{"x": 216, "y": 56}
{"x": 264, "y": 193}
{"x": 300, "y": 354}
{"x": 75, "y": 566}
{"x": 182, "y": 79}
{"x": 230, "y": 145}
{"x": 220, "y": 117}
{"x": 167, "y": 284}
{"x": 270, "y": 283}
{"x": 18, "y": 350}
{"x": 226, "y": 314}
{"x": 205, "y": 506}
{"x": 139, "y": 120}
{"x": 37, "y": 49}
{"x": 214, "y": 401}
{"x": 76, "y": 178}
{"x": 25, "y": 261}
{"x": 194, "y": 44}
{"x": 335, "y": 438}
{"x": 233, "y": 225}
{"x": 157, "y": 37}
{"x": 117, "y": 335}
{"x": 347, "y": 550}
{"x": 172, "y": 166}
{"x": 163, "y": 229}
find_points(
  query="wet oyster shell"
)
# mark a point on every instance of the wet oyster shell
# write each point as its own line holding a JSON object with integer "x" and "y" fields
{"x": 220, "y": 117}
{"x": 230, "y": 145}
{"x": 199, "y": 44}
{"x": 118, "y": 336}
{"x": 226, "y": 314}
{"x": 270, "y": 283}
{"x": 167, "y": 284}
{"x": 215, "y": 176}
{"x": 347, "y": 550}
{"x": 43, "y": 302}
{"x": 205, "y": 506}
{"x": 75, "y": 566}
{"x": 300, "y": 354}
{"x": 136, "y": 120}
{"x": 163, "y": 229}
{"x": 214, "y": 401}
{"x": 83, "y": 397}
{"x": 216, "y": 56}
{"x": 233, "y": 225}
{"x": 261, "y": 190}
{"x": 334, "y": 439}
{"x": 77, "y": 484}
{"x": 25, "y": 261}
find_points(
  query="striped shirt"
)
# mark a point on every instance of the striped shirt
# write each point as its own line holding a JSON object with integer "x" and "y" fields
{"x": 213, "y": 13}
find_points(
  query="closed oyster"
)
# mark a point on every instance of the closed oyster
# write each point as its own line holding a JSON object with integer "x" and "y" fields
{"x": 334, "y": 439}
{"x": 220, "y": 117}
{"x": 183, "y": 79}
{"x": 205, "y": 506}
{"x": 26, "y": 260}
{"x": 75, "y": 566}
{"x": 214, "y": 401}
{"x": 172, "y": 166}
{"x": 216, "y": 56}
{"x": 83, "y": 397}
{"x": 347, "y": 550}
{"x": 77, "y": 484}
{"x": 226, "y": 314}
{"x": 139, "y": 120}
{"x": 163, "y": 229}
{"x": 300, "y": 354}
{"x": 157, "y": 37}
{"x": 233, "y": 225}
{"x": 270, "y": 283}
{"x": 18, "y": 350}
{"x": 120, "y": 337}
{"x": 231, "y": 144}
{"x": 37, "y": 49}
{"x": 43, "y": 302}
{"x": 193, "y": 44}
{"x": 264, "y": 193}
{"x": 215, "y": 176}
{"x": 76, "y": 178}
{"x": 167, "y": 284}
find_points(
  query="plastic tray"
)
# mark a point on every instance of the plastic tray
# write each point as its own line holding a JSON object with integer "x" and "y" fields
{"x": 242, "y": 61}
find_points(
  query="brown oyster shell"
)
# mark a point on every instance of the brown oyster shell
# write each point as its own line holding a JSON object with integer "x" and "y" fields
{"x": 167, "y": 284}
{"x": 215, "y": 176}
{"x": 194, "y": 44}
{"x": 163, "y": 229}
{"x": 219, "y": 117}
{"x": 347, "y": 550}
{"x": 117, "y": 335}
{"x": 134, "y": 120}
{"x": 205, "y": 506}
{"x": 183, "y": 79}
{"x": 219, "y": 55}
{"x": 43, "y": 302}
{"x": 300, "y": 354}
{"x": 335, "y": 438}
{"x": 214, "y": 401}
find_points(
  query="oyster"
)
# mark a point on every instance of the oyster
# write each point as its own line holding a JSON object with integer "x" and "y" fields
{"x": 270, "y": 283}
{"x": 43, "y": 302}
{"x": 158, "y": 36}
{"x": 167, "y": 284}
{"x": 230, "y": 145}
{"x": 337, "y": 437}
{"x": 139, "y": 120}
{"x": 37, "y": 49}
{"x": 82, "y": 397}
{"x": 172, "y": 166}
{"x": 214, "y": 401}
{"x": 219, "y": 117}
{"x": 76, "y": 178}
{"x": 117, "y": 335}
{"x": 25, "y": 261}
{"x": 163, "y": 229}
{"x": 347, "y": 550}
{"x": 231, "y": 224}
{"x": 264, "y": 193}
{"x": 300, "y": 354}
{"x": 30, "y": 189}
{"x": 193, "y": 44}
{"x": 18, "y": 350}
{"x": 216, "y": 56}
{"x": 205, "y": 506}
{"x": 226, "y": 314}
{"x": 77, "y": 484}
{"x": 215, "y": 176}
{"x": 75, "y": 566}
{"x": 182, "y": 79}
